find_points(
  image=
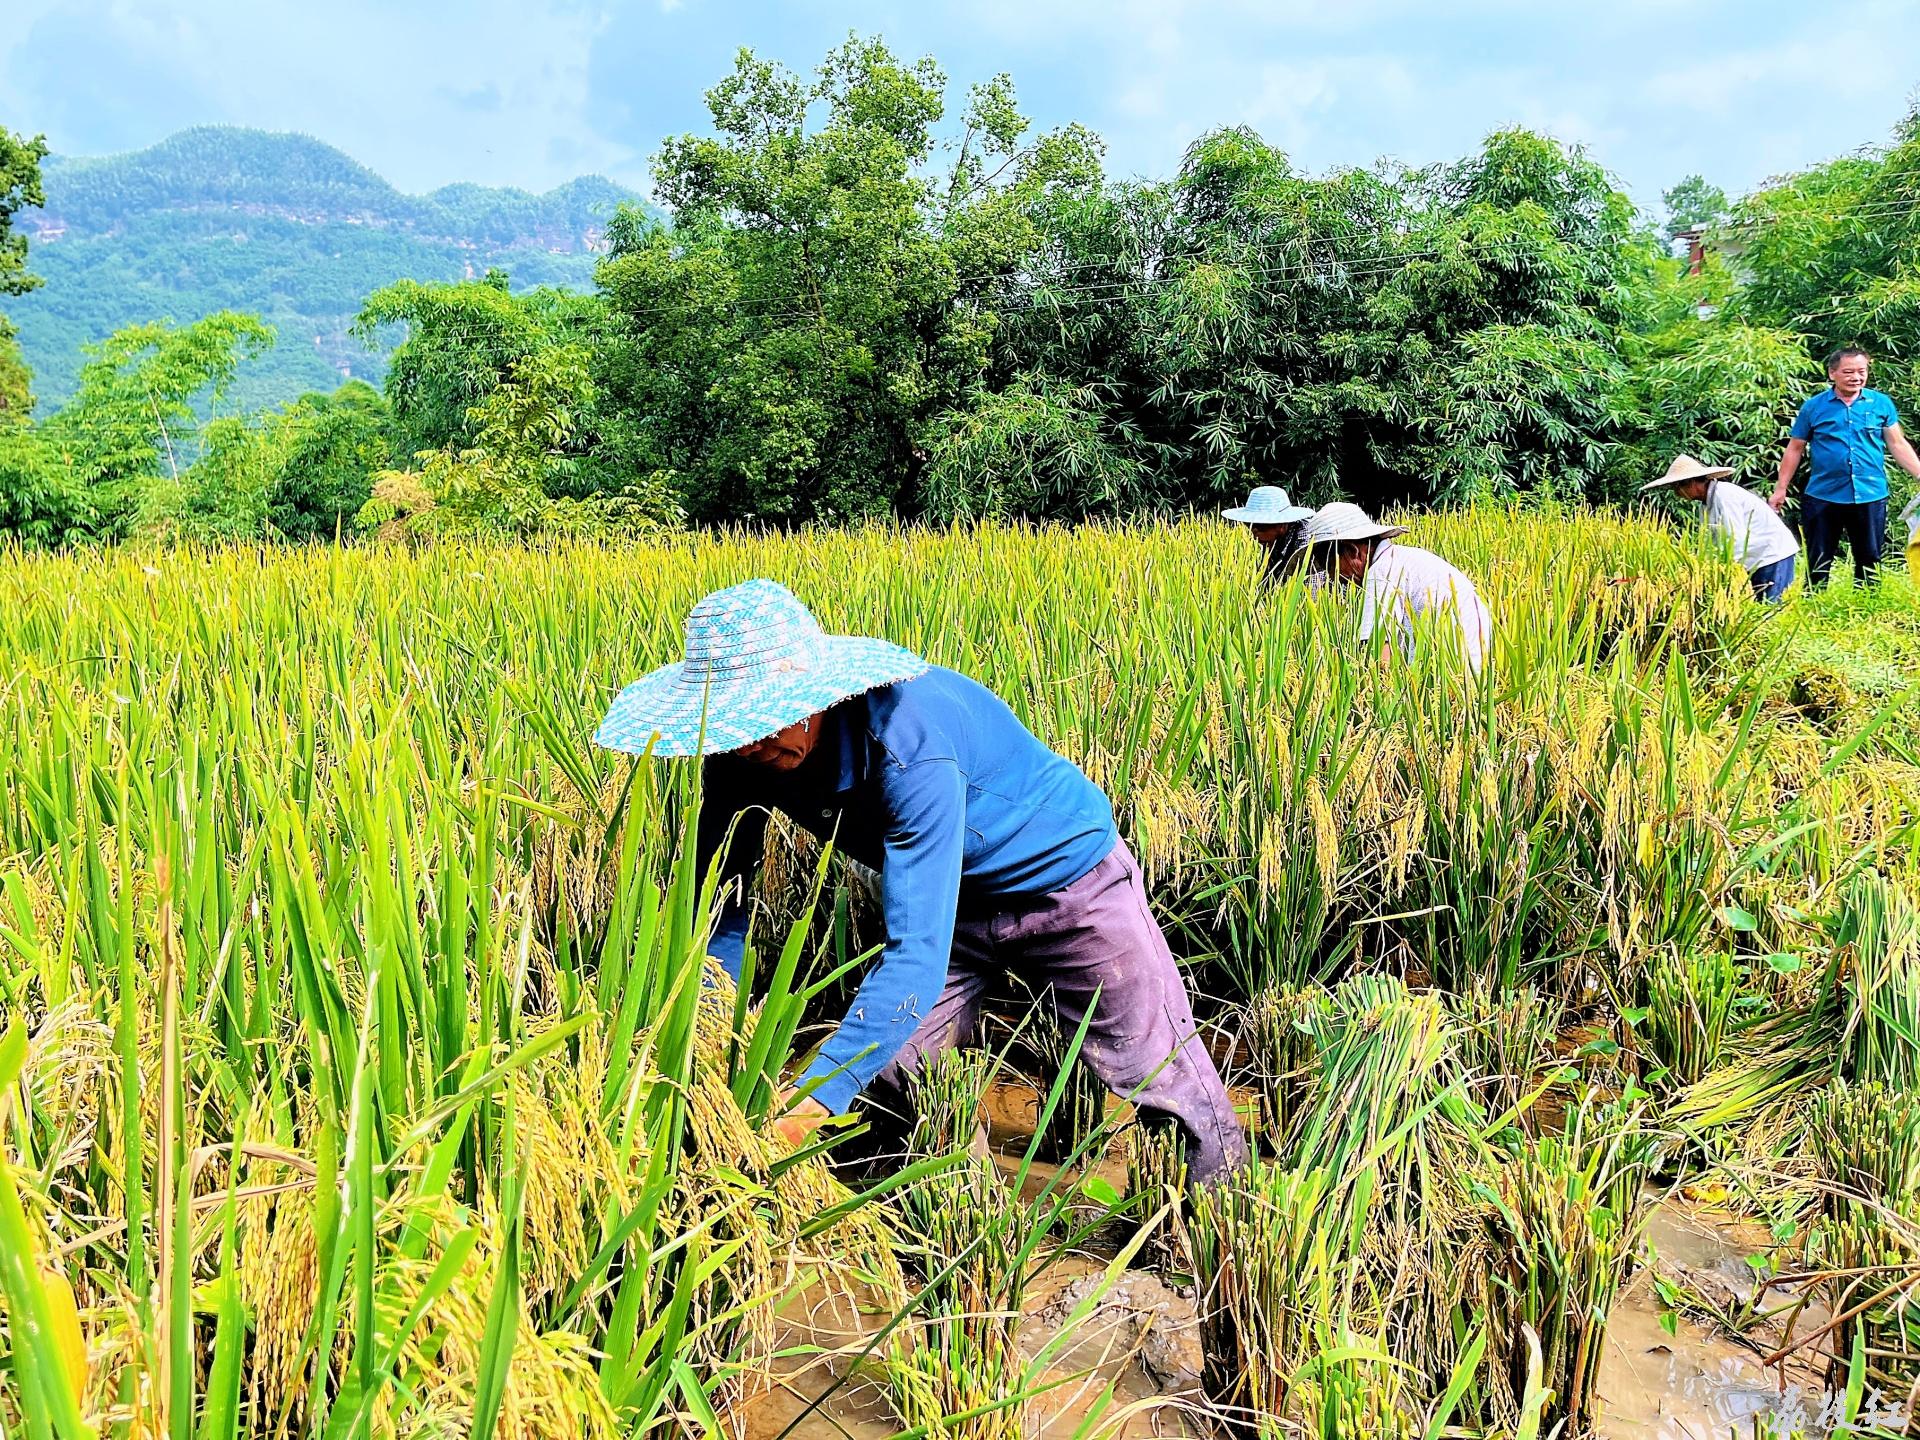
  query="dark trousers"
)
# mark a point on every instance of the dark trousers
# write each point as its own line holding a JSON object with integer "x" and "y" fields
{"x": 1770, "y": 582}
{"x": 1826, "y": 522}
{"x": 1096, "y": 938}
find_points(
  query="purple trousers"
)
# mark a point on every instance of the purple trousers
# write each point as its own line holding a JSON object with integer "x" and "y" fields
{"x": 1094, "y": 945}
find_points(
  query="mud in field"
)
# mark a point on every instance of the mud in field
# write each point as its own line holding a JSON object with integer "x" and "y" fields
{"x": 1131, "y": 1369}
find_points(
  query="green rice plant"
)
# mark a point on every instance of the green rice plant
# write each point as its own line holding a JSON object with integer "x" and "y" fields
{"x": 956, "y": 1366}
{"x": 1081, "y": 1114}
{"x": 48, "y": 1356}
{"x": 1278, "y": 1030}
{"x": 1293, "y": 800}
{"x": 1874, "y": 980}
{"x": 439, "y": 1125}
{"x": 1564, "y": 1216}
{"x": 1865, "y": 1142}
{"x": 1383, "y": 1098}
{"x": 1689, "y": 1013}
{"x": 1156, "y": 1182}
{"x": 330, "y": 932}
{"x": 1306, "y": 1265}
{"x": 1857, "y": 1020}
{"x": 964, "y": 1358}
{"x": 1498, "y": 820}
{"x": 1276, "y": 1261}
{"x": 1295, "y": 1331}
{"x": 1505, "y": 1040}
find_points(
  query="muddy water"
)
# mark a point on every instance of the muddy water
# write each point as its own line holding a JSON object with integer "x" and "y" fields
{"x": 1693, "y": 1384}
{"x": 1130, "y": 1368}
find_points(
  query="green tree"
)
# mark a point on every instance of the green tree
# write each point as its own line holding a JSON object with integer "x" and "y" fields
{"x": 16, "y": 380}
{"x": 1722, "y": 391}
{"x": 1391, "y": 336}
{"x": 1833, "y": 254}
{"x": 84, "y": 472}
{"x": 1039, "y": 449}
{"x": 222, "y": 495}
{"x": 334, "y": 445}
{"x": 462, "y": 340}
{"x": 502, "y": 484}
{"x": 19, "y": 188}
{"x": 819, "y": 299}
{"x": 1694, "y": 204}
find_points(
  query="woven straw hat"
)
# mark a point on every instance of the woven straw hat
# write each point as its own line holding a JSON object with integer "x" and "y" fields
{"x": 1333, "y": 523}
{"x": 1268, "y": 505}
{"x": 757, "y": 661}
{"x": 1685, "y": 467}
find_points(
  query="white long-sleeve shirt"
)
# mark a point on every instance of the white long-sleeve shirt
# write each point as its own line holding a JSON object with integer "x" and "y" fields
{"x": 1403, "y": 582}
{"x": 1759, "y": 536}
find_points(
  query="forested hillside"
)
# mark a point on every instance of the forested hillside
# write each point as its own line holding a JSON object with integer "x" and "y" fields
{"x": 280, "y": 226}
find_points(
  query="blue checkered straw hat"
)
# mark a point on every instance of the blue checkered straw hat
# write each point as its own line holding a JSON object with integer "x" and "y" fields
{"x": 756, "y": 662}
{"x": 1268, "y": 505}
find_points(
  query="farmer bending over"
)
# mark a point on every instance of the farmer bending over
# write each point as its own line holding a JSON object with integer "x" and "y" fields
{"x": 1761, "y": 541}
{"x": 1276, "y": 524}
{"x": 1398, "y": 581}
{"x": 994, "y": 854}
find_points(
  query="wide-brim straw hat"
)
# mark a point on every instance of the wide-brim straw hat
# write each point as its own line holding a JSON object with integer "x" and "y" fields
{"x": 756, "y": 662}
{"x": 1268, "y": 505}
{"x": 1334, "y": 523}
{"x": 1684, "y": 468}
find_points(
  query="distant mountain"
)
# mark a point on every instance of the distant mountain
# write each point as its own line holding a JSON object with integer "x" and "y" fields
{"x": 281, "y": 225}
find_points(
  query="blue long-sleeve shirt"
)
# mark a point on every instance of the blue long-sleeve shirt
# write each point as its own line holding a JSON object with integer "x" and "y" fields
{"x": 936, "y": 784}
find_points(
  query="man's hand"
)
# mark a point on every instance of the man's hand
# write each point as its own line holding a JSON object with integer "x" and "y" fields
{"x": 798, "y": 1119}
{"x": 1789, "y": 462}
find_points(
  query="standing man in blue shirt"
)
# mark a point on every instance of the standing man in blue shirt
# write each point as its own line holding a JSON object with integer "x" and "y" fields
{"x": 994, "y": 854}
{"x": 1850, "y": 430}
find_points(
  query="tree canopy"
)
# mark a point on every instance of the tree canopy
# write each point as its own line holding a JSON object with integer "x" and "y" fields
{"x": 784, "y": 346}
{"x": 20, "y": 187}
{"x": 873, "y": 296}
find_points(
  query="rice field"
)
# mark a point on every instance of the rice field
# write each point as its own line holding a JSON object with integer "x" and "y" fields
{"x": 361, "y": 1072}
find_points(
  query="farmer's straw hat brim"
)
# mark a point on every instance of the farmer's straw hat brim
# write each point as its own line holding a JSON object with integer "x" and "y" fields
{"x": 1341, "y": 522}
{"x": 1268, "y": 505}
{"x": 1292, "y": 515}
{"x": 1685, "y": 468}
{"x": 757, "y": 662}
{"x": 667, "y": 706}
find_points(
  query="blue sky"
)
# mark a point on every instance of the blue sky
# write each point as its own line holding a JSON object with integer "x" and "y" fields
{"x": 532, "y": 92}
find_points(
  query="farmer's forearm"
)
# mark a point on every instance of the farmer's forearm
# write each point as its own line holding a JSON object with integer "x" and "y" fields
{"x": 1903, "y": 455}
{"x": 1789, "y": 462}
{"x": 920, "y": 892}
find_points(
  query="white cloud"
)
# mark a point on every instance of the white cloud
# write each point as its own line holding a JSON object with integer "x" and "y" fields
{"x": 533, "y": 91}
{"x": 1143, "y": 98}
{"x": 1786, "y": 72}
{"x": 392, "y": 85}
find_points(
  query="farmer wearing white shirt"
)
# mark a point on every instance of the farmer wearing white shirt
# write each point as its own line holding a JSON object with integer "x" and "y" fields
{"x": 1399, "y": 581}
{"x": 1760, "y": 538}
